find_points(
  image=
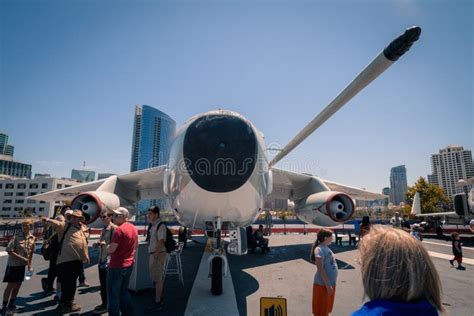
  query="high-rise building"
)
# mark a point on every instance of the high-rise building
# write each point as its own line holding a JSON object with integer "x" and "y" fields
{"x": 5, "y": 149}
{"x": 83, "y": 175}
{"x": 8, "y": 167}
{"x": 153, "y": 133}
{"x": 101, "y": 176}
{"x": 450, "y": 165}
{"x": 398, "y": 184}
{"x": 386, "y": 191}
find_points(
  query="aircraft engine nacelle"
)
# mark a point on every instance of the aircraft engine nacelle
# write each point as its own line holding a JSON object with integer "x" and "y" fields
{"x": 463, "y": 204}
{"x": 327, "y": 208}
{"x": 94, "y": 202}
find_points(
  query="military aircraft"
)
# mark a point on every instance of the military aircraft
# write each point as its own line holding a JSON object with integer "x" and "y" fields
{"x": 218, "y": 174}
{"x": 463, "y": 209}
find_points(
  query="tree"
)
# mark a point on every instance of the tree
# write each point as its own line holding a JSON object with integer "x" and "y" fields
{"x": 432, "y": 197}
{"x": 27, "y": 212}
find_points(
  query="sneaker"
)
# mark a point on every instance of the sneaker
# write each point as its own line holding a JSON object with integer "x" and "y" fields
{"x": 451, "y": 262}
{"x": 461, "y": 267}
{"x": 156, "y": 307}
{"x": 11, "y": 307}
{"x": 100, "y": 309}
{"x": 84, "y": 284}
{"x": 70, "y": 308}
{"x": 44, "y": 284}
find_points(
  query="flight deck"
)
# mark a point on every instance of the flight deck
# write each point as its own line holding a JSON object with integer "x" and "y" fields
{"x": 283, "y": 272}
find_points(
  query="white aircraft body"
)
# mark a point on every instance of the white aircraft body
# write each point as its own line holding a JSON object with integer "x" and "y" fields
{"x": 218, "y": 173}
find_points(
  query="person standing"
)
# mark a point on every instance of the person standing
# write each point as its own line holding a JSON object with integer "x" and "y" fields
{"x": 67, "y": 210}
{"x": 324, "y": 284}
{"x": 158, "y": 255}
{"x": 268, "y": 223}
{"x": 457, "y": 250}
{"x": 48, "y": 282}
{"x": 364, "y": 227}
{"x": 82, "y": 275}
{"x": 104, "y": 240}
{"x": 20, "y": 252}
{"x": 73, "y": 252}
{"x": 122, "y": 257}
{"x": 396, "y": 221}
{"x": 405, "y": 223}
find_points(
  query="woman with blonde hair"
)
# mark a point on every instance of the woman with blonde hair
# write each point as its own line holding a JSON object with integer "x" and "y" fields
{"x": 398, "y": 275}
{"x": 324, "y": 284}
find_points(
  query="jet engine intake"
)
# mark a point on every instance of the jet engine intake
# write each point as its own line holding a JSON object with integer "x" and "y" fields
{"x": 325, "y": 208}
{"x": 94, "y": 202}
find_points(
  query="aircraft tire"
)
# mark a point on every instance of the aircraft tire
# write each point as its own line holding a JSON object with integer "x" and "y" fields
{"x": 216, "y": 282}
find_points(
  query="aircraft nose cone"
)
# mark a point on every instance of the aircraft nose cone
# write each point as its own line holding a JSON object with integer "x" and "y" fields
{"x": 220, "y": 152}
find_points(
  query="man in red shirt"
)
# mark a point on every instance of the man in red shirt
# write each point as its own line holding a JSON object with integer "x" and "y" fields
{"x": 122, "y": 257}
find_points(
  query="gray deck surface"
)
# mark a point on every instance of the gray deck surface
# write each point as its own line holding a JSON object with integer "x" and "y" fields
{"x": 285, "y": 271}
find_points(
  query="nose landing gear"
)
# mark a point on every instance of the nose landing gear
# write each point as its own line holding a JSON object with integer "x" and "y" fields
{"x": 217, "y": 261}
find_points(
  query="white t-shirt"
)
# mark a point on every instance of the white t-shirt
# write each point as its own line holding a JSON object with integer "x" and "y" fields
{"x": 329, "y": 264}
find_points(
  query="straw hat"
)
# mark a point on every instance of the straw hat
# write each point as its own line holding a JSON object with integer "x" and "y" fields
{"x": 78, "y": 213}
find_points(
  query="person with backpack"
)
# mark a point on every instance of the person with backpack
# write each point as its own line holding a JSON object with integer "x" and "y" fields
{"x": 158, "y": 254}
{"x": 51, "y": 252}
{"x": 73, "y": 252}
{"x": 104, "y": 240}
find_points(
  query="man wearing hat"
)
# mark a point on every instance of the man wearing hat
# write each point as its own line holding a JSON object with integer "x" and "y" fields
{"x": 73, "y": 252}
{"x": 122, "y": 257}
{"x": 66, "y": 210}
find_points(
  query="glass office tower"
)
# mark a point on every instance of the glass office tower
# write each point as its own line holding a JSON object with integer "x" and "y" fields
{"x": 153, "y": 133}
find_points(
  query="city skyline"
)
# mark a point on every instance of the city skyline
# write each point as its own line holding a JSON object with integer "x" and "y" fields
{"x": 278, "y": 65}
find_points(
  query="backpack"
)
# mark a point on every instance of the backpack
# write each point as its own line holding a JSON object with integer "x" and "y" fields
{"x": 170, "y": 243}
{"x": 50, "y": 247}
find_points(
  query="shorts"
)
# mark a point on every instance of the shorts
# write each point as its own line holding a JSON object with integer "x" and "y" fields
{"x": 14, "y": 274}
{"x": 156, "y": 265}
{"x": 458, "y": 259}
{"x": 322, "y": 301}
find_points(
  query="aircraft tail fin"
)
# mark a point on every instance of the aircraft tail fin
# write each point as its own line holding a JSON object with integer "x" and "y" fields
{"x": 416, "y": 207}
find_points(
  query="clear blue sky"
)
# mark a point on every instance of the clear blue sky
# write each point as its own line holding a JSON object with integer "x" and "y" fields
{"x": 72, "y": 71}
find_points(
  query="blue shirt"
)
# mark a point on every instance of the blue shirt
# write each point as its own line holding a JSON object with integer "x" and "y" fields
{"x": 389, "y": 308}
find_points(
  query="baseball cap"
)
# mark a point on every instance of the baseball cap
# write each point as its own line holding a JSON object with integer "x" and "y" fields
{"x": 121, "y": 211}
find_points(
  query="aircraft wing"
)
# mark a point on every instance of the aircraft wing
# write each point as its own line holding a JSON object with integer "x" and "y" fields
{"x": 67, "y": 193}
{"x": 142, "y": 184}
{"x": 291, "y": 185}
{"x": 355, "y": 193}
{"x": 438, "y": 214}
